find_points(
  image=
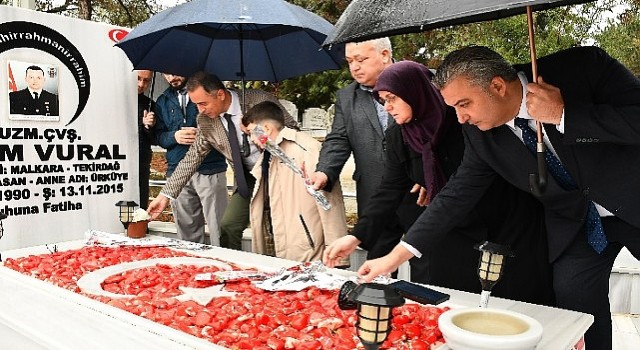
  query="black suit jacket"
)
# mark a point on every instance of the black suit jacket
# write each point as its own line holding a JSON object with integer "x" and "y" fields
{"x": 22, "y": 102}
{"x": 600, "y": 148}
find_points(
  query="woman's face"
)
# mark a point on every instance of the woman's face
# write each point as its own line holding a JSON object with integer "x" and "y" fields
{"x": 394, "y": 105}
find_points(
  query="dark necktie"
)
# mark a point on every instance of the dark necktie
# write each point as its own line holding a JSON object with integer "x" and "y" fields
{"x": 238, "y": 167}
{"x": 593, "y": 226}
{"x": 182, "y": 93}
{"x": 35, "y": 96}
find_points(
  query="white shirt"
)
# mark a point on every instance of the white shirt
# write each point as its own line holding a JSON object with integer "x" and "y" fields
{"x": 236, "y": 117}
{"x": 186, "y": 98}
{"x": 522, "y": 113}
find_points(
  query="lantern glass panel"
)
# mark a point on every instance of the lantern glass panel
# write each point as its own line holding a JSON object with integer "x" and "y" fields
{"x": 373, "y": 323}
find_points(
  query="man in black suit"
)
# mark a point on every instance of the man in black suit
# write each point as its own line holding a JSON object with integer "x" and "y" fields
{"x": 33, "y": 100}
{"x": 589, "y": 105}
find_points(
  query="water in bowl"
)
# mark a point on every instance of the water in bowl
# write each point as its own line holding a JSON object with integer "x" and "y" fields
{"x": 490, "y": 323}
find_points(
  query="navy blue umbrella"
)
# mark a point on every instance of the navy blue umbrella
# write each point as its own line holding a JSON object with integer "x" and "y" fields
{"x": 267, "y": 40}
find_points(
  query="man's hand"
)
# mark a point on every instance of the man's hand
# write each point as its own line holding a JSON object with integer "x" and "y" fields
{"x": 423, "y": 200}
{"x": 385, "y": 265}
{"x": 186, "y": 135}
{"x": 156, "y": 207}
{"x": 319, "y": 180}
{"x": 545, "y": 102}
{"x": 148, "y": 119}
{"x": 337, "y": 251}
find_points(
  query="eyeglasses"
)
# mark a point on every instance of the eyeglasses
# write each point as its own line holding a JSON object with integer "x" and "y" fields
{"x": 390, "y": 99}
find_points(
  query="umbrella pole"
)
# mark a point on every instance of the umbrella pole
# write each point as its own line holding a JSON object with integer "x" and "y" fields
{"x": 537, "y": 182}
{"x": 153, "y": 83}
{"x": 243, "y": 107}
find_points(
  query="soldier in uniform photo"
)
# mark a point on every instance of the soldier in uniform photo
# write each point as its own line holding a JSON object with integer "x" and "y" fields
{"x": 34, "y": 100}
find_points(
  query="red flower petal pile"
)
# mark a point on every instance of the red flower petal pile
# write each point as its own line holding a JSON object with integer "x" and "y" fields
{"x": 253, "y": 319}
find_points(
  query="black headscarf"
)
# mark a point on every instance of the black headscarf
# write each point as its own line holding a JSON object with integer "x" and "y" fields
{"x": 411, "y": 81}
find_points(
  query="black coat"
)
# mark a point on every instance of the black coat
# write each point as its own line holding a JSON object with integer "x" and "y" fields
{"x": 504, "y": 215}
{"x": 600, "y": 148}
{"x": 146, "y": 137}
{"x": 22, "y": 102}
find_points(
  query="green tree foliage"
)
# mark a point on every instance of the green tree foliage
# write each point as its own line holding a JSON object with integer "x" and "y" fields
{"x": 621, "y": 38}
{"x": 554, "y": 29}
{"x": 316, "y": 89}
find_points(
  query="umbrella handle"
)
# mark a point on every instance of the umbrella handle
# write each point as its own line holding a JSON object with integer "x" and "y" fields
{"x": 153, "y": 83}
{"x": 538, "y": 182}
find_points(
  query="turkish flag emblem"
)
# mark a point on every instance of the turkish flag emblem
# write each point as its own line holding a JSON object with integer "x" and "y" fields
{"x": 12, "y": 81}
{"x": 117, "y": 34}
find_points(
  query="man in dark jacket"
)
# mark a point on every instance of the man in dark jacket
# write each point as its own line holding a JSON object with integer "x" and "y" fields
{"x": 204, "y": 198}
{"x": 34, "y": 100}
{"x": 146, "y": 136}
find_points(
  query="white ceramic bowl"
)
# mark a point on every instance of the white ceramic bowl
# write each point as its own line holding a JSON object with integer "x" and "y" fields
{"x": 489, "y": 329}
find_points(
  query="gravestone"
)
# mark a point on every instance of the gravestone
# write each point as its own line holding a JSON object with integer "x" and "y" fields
{"x": 314, "y": 118}
{"x": 290, "y": 107}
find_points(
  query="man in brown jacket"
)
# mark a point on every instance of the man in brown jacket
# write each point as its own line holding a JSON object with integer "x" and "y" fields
{"x": 219, "y": 127}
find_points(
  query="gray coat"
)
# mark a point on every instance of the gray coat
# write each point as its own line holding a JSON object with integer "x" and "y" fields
{"x": 355, "y": 129}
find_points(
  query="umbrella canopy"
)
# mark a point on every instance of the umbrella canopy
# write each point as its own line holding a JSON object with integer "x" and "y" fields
{"x": 369, "y": 19}
{"x": 269, "y": 40}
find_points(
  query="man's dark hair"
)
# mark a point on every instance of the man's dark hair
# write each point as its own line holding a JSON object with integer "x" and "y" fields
{"x": 209, "y": 82}
{"x": 266, "y": 110}
{"x": 33, "y": 68}
{"x": 478, "y": 64}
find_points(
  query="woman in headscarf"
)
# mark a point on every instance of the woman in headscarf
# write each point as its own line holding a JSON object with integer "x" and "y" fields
{"x": 425, "y": 147}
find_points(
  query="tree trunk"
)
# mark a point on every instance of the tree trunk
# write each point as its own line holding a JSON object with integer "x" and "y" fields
{"x": 85, "y": 10}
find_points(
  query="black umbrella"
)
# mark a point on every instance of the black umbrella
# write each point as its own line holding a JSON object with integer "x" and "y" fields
{"x": 370, "y": 19}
